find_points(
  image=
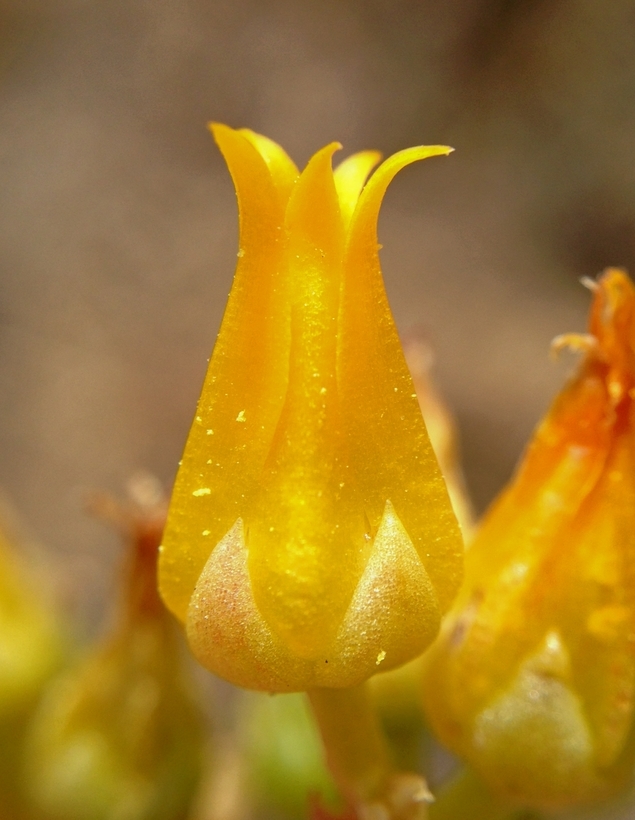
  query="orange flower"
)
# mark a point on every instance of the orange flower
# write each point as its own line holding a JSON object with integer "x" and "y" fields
{"x": 533, "y": 677}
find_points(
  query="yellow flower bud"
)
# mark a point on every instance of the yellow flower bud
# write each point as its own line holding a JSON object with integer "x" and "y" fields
{"x": 32, "y": 648}
{"x": 119, "y": 735}
{"x": 532, "y": 679}
{"x": 310, "y": 541}
{"x": 31, "y": 642}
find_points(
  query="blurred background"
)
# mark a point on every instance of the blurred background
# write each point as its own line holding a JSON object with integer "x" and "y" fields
{"x": 118, "y": 226}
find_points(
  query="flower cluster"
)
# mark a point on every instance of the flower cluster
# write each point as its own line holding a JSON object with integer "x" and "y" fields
{"x": 311, "y": 543}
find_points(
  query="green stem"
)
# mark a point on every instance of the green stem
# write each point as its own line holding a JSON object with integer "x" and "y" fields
{"x": 358, "y": 759}
{"x": 466, "y": 797}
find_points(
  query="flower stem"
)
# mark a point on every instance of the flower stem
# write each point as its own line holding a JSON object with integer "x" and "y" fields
{"x": 358, "y": 759}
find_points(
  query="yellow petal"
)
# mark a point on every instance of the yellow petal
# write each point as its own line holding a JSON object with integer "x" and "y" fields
{"x": 389, "y": 450}
{"x": 245, "y": 385}
{"x": 350, "y": 176}
{"x": 284, "y": 172}
{"x": 306, "y": 532}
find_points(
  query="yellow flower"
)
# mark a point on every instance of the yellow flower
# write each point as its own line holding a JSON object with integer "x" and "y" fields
{"x": 310, "y": 540}
{"x": 533, "y": 677}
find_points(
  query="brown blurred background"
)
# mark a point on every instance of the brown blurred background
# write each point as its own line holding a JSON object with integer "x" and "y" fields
{"x": 118, "y": 227}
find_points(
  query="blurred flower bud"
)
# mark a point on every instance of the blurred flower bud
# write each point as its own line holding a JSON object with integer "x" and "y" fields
{"x": 310, "y": 540}
{"x": 532, "y": 679}
{"x": 31, "y": 650}
{"x": 119, "y": 736}
{"x": 30, "y": 638}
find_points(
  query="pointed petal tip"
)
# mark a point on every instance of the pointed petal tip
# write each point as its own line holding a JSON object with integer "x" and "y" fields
{"x": 327, "y": 151}
{"x": 432, "y": 150}
{"x": 215, "y": 126}
{"x": 330, "y": 149}
{"x": 219, "y": 129}
{"x": 350, "y": 177}
{"x": 320, "y": 160}
{"x": 424, "y": 152}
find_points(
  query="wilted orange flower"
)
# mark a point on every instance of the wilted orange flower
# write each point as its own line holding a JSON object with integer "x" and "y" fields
{"x": 533, "y": 677}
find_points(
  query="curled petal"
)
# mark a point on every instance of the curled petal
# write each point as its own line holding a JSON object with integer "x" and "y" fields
{"x": 350, "y": 177}
{"x": 284, "y": 173}
{"x": 389, "y": 448}
{"x": 244, "y": 388}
